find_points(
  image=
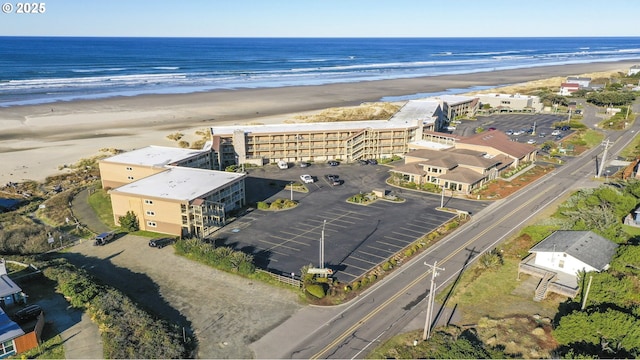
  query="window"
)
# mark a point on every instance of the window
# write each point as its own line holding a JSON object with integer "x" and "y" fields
{"x": 148, "y": 202}
{"x": 152, "y": 223}
{"x": 130, "y": 177}
{"x": 129, "y": 168}
{"x": 151, "y": 213}
{"x": 7, "y": 348}
{"x": 561, "y": 264}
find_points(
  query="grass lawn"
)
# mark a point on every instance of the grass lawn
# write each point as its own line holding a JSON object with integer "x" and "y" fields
{"x": 592, "y": 138}
{"x": 631, "y": 230}
{"x": 495, "y": 293}
{"x": 101, "y": 203}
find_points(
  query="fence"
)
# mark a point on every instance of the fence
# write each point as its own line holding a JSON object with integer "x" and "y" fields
{"x": 283, "y": 279}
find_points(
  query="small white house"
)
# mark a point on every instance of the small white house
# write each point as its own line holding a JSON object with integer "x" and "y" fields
{"x": 583, "y": 82}
{"x": 572, "y": 251}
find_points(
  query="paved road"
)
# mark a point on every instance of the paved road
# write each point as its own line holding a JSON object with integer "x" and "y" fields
{"x": 352, "y": 330}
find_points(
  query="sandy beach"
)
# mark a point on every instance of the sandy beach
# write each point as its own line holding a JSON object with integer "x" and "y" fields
{"x": 36, "y": 141}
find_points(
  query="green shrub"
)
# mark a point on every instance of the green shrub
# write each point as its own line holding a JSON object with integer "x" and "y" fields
{"x": 316, "y": 290}
{"x": 347, "y": 289}
{"x": 373, "y": 278}
{"x": 364, "y": 282}
{"x": 355, "y": 285}
{"x": 129, "y": 222}
{"x": 452, "y": 225}
{"x": 387, "y": 266}
{"x": 262, "y": 205}
{"x": 393, "y": 262}
{"x": 408, "y": 252}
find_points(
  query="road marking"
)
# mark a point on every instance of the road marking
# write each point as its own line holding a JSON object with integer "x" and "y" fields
{"x": 400, "y": 240}
{"x": 386, "y": 243}
{"x": 374, "y": 255}
{"x": 401, "y": 292}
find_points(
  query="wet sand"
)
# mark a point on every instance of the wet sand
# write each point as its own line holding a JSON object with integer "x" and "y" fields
{"x": 36, "y": 141}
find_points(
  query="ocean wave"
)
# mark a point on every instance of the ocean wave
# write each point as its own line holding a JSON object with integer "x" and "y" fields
{"x": 166, "y": 67}
{"x": 97, "y": 70}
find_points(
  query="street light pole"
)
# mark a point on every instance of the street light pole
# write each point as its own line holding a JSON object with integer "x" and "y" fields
{"x": 442, "y": 197}
{"x": 322, "y": 246}
{"x": 291, "y": 188}
{"x": 429, "y": 318}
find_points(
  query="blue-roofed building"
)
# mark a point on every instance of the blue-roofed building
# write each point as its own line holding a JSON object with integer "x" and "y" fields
{"x": 9, "y": 331}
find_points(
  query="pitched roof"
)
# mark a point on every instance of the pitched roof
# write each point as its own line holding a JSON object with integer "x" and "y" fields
{"x": 412, "y": 168}
{"x": 462, "y": 175}
{"x": 443, "y": 157}
{"x": 586, "y": 246}
{"x": 501, "y": 142}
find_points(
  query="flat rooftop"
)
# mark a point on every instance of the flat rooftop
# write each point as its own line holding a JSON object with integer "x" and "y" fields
{"x": 154, "y": 156}
{"x": 180, "y": 183}
{"x": 506, "y": 96}
{"x": 455, "y": 99}
{"x": 406, "y": 117}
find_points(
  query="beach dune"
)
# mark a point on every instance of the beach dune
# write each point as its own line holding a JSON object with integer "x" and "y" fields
{"x": 37, "y": 140}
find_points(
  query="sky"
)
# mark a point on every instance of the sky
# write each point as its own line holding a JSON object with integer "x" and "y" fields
{"x": 324, "y": 18}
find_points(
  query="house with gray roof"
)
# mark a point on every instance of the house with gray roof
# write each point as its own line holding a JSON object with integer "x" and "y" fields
{"x": 562, "y": 255}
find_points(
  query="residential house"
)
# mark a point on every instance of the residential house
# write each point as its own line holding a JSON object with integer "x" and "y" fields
{"x": 566, "y": 89}
{"x": 15, "y": 338}
{"x": 582, "y": 82}
{"x": 559, "y": 258}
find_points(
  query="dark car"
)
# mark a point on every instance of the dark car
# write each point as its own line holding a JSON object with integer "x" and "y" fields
{"x": 372, "y": 162}
{"x": 160, "y": 243}
{"x": 363, "y": 162}
{"x": 334, "y": 180}
{"x": 333, "y": 163}
{"x": 28, "y": 313}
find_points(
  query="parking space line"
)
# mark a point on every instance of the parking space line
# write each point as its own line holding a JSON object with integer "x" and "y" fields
{"x": 295, "y": 236}
{"x": 363, "y": 260}
{"x": 400, "y": 240}
{"x": 428, "y": 228}
{"x": 276, "y": 245}
{"x": 381, "y": 249}
{"x": 370, "y": 254}
{"x": 406, "y": 235}
{"x": 421, "y": 232}
{"x": 386, "y": 243}
{"x": 357, "y": 267}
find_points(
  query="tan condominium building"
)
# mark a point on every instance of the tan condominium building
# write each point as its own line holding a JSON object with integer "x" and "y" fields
{"x": 456, "y": 106}
{"x": 347, "y": 141}
{"x": 172, "y": 190}
{"x": 510, "y": 102}
{"x": 134, "y": 165}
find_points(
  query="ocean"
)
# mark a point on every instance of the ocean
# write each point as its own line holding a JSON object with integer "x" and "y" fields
{"x": 35, "y": 70}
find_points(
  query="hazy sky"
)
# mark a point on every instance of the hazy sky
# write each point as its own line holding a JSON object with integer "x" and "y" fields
{"x": 327, "y": 18}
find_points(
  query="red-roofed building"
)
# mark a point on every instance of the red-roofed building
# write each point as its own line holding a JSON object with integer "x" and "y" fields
{"x": 568, "y": 88}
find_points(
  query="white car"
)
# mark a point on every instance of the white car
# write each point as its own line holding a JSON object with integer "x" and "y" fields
{"x": 307, "y": 179}
{"x": 556, "y": 133}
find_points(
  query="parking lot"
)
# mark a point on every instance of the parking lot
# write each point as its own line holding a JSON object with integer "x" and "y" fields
{"x": 519, "y": 124}
{"x": 356, "y": 238}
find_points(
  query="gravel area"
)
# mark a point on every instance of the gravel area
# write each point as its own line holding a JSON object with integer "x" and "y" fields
{"x": 224, "y": 311}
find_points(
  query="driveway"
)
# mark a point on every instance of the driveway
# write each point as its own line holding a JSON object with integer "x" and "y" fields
{"x": 224, "y": 311}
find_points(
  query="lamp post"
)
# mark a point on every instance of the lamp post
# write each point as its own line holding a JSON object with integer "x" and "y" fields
{"x": 442, "y": 197}
{"x": 291, "y": 188}
{"x": 429, "y": 318}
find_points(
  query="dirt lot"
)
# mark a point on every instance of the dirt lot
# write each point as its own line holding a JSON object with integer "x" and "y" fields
{"x": 225, "y": 312}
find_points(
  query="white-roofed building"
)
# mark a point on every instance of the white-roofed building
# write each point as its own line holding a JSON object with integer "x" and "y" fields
{"x": 320, "y": 141}
{"x": 134, "y": 165}
{"x": 455, "y": 106}
{"x": 511, "y": 102}
{"x": 181, "y": 200}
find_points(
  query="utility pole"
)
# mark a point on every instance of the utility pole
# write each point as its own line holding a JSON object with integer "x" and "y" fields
{"x": 604, "y": 157}
{"x": 322, "y": 246}
{"x": 429, "y": 318}
{"x": 584, "y": 301}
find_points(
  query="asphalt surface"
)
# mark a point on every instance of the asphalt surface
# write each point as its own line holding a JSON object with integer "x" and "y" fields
{"x": 354, "y": 329}
{"x": 357, "y": 238}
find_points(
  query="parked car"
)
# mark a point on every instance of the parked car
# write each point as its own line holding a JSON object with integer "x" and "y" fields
{"x": 304, "y": 164}
{"x": 531, "y": 141}
{"x": 28, "y": 313}
{"x": 160, "y": 243}
{"x": 333, "y": 163}
{"x": 542, "y": 135}
{"x": 363, "y": 162}
{"x": 283, "y": 164}
{"x": 509, "y": 132}
{"x": 334, "y": 180}
{"x": 104, "y": 238}
{"x": 307, "y": 179}
{"x": 556, "y": 133}
{"x": 372, "y": 162}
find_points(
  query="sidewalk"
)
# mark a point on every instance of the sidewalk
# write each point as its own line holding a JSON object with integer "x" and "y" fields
{"x": 85, "y": 214}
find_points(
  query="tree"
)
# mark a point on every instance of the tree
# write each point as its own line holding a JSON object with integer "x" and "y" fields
{"x": 613, "y": 98}
{"x": 129, "y": 222}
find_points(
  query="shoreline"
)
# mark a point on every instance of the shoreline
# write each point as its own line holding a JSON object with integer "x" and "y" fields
{"x": 38, "y": 139}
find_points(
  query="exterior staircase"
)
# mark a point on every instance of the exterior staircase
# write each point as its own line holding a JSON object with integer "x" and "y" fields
{"x": 541, "y": 290}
